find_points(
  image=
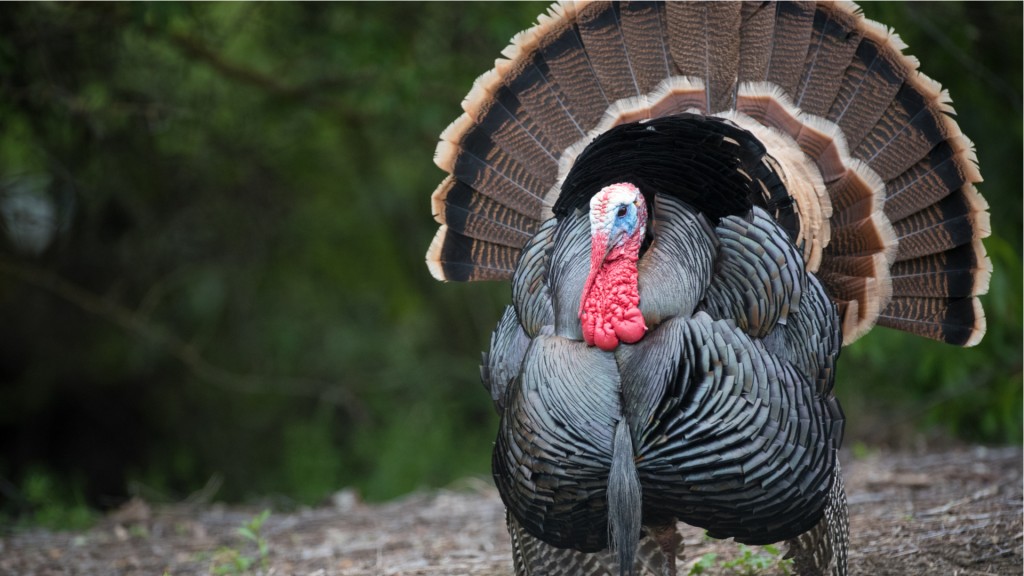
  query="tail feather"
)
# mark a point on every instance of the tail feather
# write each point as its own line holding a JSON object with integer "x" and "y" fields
{"x": 508, "y": 133}
{"x": 491, "y": 182}
{"x": 955, "y": 220}
{"x": 757, "y": 27}
{"x": 882, "y": 178}
{"x": 541, "y": 100}
{"x": 867, "y": 266}
{"x": 794, "y": 22}
{"x": 644, "y": 35}
{"x": 957, "y": 273}
{"x": 480, "y": 164}
{"x": 490, "y": 99}
{"x": 857, "y": 195}
{"x": 466, "y": 211}
{"x": 949, "y": 166}
{"x": 959, "y": 321}
{"x": 871, "y": 81}
{"x": 455, "y": 256}
{"x": 489, "y": 141}
{"x": 940, "y": 284}
{"x": 568, "y": 65}
{"x": 676, "y": 95}
{"x": 598, "y": 25}
{"x": 860, "y": 238}
{"x": 834, "y": 39}
{"x": 862, "y": 297}
{"x": 908, "y": 129}
{"x": 704, "y": 43}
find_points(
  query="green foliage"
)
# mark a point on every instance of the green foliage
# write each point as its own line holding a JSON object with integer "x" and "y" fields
{"x": 749, "y": 562}
{"x": 705, "y": 563}
{"x": 232, "y": 561}
{"x": 235, "y": 283}
{"x": 54, "y": 503}
{"x": 308, "y": 457}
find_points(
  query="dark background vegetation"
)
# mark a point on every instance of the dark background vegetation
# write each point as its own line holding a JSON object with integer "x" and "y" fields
{"x": 211, "y": 264}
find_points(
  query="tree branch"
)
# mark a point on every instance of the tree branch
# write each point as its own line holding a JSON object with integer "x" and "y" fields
{"x": 184, "y": 352}
{"x": 198, "y": 51}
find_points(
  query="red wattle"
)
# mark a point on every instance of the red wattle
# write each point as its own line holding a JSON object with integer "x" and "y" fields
{"x": 608, "y": 311}
{"x": 631, "y": 327}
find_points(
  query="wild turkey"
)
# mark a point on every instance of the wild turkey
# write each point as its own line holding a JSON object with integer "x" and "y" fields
{"x": 697, "y": 205}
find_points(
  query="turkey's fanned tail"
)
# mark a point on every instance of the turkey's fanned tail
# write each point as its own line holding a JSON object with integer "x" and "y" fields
{"x": 890, "y": 218}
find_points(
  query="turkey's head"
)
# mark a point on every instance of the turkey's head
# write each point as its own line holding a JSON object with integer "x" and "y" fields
{"x": 608, "y": 307}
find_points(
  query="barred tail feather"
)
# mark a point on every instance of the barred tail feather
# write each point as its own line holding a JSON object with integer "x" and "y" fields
{"x": 533, "y": 557}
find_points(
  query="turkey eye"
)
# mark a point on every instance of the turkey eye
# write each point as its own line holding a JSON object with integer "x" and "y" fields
{"x": 621, "y": 212}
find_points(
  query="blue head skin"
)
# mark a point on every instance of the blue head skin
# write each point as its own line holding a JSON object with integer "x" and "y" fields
{"x": 617, "y": 213}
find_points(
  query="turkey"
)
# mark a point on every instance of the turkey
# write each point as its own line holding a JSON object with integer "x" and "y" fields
{"x": 698, "y": 205}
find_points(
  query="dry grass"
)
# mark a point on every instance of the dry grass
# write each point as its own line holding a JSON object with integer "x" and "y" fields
{"x": 954, "y": 512}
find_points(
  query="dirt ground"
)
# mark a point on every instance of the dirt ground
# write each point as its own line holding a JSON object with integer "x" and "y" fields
{"x": 955, "y": 512}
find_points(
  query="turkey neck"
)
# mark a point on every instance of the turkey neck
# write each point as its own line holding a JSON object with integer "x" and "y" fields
{"x": 608, "y": 308}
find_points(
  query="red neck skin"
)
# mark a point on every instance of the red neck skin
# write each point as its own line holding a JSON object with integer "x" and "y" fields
{"x": 608, "y": 309}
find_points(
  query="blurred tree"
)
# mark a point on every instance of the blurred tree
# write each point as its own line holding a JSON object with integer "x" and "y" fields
{"x": 215, "y": 217}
